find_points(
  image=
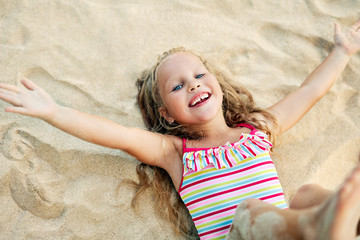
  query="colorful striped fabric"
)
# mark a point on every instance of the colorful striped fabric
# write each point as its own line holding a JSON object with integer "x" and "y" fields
{"x": 216, "y": 180}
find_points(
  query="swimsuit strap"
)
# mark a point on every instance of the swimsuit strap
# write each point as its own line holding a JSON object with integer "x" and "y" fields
{"x": 184, "y": 144}
{"x": 253, "y": 130}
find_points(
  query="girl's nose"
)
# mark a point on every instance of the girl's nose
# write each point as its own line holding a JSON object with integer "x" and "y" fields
{"x": 193, "y": 86}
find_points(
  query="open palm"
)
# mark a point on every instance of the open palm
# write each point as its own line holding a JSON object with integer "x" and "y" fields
{"x": 350, "y": 40}
{"x": 32, "y": 101}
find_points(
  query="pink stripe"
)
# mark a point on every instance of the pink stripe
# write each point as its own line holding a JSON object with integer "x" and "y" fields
{"x": 207, "y": 159}
{"x": 217, "y": 160}
{"x": 271, "y": 196}
{"x": 257, "y": 144}
{"x": 195, "y": 165}
{"x": 225, "y": 179}
{"x": 220, "y": 229}
{"x": 187, "y": 164}
{"x": 232, "y": 194}
{"x": 250, "y": 150}
{"x": 274, "y": 200}
{"x": 214, "y": 235}
{"x": 194, "y": 172}
{"x": 214, "y": 213}
{"x": 228, "y": 158}
{"x": 237, "y": 170}
{"x": 242, "y": 154}
{"x": 216, "y": 216}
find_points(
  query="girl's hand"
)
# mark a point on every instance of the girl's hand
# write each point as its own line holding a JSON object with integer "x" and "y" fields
{"x": 350, "y": 41}
{"x": 32, "y": 101}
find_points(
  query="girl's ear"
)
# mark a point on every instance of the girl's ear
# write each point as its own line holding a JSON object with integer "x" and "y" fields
{"x": 164, "y": 112}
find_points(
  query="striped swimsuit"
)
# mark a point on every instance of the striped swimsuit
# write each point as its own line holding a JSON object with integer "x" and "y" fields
{"x": 216, "y": 180}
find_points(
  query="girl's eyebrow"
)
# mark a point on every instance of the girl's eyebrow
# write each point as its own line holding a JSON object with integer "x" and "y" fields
{"x": 173, "y": 83}
{"x": 170, "y": 82}
{"x": 172, "y": 79}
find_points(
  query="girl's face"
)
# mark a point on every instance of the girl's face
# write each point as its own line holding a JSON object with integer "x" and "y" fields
{"x": 190, "y": 93}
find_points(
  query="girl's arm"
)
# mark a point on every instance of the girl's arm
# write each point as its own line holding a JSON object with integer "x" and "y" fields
{"x": 292, "y": 108}
{"x": 33, "y": 101}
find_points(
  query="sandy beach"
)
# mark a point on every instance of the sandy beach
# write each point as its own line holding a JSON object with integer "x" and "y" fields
{"x": 87, "y": 55}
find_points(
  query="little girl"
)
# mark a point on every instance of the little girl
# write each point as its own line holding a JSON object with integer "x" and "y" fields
{"x": 207, "y": 135}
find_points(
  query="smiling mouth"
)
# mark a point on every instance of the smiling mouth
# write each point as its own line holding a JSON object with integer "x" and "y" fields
{"x": 199, "y": 99}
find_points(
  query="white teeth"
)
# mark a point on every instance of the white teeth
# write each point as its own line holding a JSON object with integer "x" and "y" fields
{"x": 199, "y": 98}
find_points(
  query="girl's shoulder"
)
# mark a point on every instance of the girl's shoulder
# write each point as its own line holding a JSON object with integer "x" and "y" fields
{"x": 173, "y": 143}
{"x": 177, "y": 142}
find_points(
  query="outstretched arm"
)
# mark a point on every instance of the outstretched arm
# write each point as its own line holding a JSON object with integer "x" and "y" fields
{"x": 292, "y": 108}
{"x": 35, "y": 102}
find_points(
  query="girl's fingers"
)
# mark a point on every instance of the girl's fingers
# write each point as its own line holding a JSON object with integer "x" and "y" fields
{"x": 18, "y": 110}
{"x": 9, "y": 87}
{"x": 356, "y": 26}
{"x": 336, "y": 28}
{"x": 10, "y": 98}
{"x": 28, "y": 84}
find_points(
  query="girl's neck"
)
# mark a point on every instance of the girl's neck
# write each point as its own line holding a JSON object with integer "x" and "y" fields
{"x": 217, "y": 128}
{"x": 216, "y": 135}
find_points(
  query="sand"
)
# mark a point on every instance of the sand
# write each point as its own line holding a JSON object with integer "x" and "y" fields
{"x": 87, "y": 55}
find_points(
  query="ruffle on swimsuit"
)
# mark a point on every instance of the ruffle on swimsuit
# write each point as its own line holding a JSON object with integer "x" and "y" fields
{"x": 227, "y": 156}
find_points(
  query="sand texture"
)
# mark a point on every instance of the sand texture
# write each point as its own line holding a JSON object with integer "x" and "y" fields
{"x": 87, "y": 54}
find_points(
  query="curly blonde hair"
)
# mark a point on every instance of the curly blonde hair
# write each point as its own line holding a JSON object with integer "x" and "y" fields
{"x": 238, "y": 107}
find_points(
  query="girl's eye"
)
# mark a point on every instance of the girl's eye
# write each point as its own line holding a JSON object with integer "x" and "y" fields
{"x": 199, "y": 76}
{"x": 178, "y": 87}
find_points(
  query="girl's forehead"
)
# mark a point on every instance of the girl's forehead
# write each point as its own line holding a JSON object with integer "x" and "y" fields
{"x": 180, "y": 57}
{"x": 177, "y": 62}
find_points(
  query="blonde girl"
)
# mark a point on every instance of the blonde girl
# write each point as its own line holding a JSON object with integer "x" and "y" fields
{"x": 213, "y": 143}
